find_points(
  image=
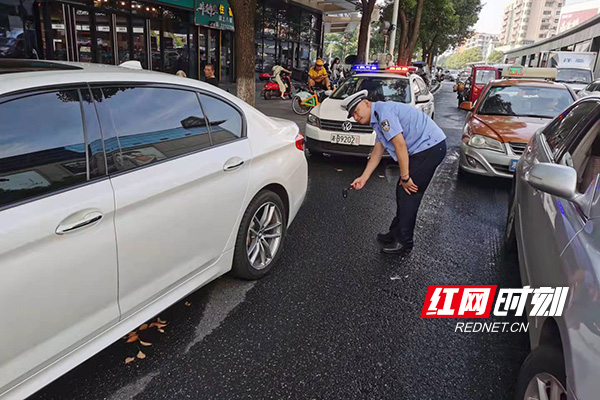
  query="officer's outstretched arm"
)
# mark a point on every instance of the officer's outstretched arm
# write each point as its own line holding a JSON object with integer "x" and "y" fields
{"x": 376, "y": 156}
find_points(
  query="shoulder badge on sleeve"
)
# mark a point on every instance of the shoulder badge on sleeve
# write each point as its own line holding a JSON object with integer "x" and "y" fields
{"x": 385, "y": 125}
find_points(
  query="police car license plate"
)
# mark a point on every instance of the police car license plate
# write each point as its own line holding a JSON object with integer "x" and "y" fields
{"x": 352, "y": 140}
{"x": 513, "y": 165}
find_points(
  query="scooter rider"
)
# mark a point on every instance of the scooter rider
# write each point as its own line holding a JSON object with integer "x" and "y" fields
{"x": 277, "y": 70}
{"x": 416, "y": 143}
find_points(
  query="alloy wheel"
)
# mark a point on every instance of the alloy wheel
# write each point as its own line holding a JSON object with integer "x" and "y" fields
{"x": 264, "y": 235}
{"x": 545, "y": 386}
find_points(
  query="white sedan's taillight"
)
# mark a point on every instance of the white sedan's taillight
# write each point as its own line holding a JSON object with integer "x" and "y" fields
{"x": 300, "y": 141}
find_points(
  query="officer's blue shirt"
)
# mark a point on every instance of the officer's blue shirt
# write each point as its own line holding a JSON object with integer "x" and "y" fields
{"x": 389, "y": 119}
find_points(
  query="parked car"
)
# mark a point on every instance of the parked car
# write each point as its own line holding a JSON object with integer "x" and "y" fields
{"x": 589, "y": 89}
{"x": 503, "y": 120}
{"x": 554, "y": 222}
{"x": 328, "y": 130}
{"x": 186, "y": 181}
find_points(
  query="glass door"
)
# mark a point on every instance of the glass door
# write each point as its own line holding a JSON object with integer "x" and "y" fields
{"x": 226, "y": 56}
{"x": 83, "y": 36}
{"x": 122, "y": 29}
{"x": 104, "y": 39}
{"x": 58, "y": 22}
{"x": 139, "y": 41}
{"x": 155, "y": 44}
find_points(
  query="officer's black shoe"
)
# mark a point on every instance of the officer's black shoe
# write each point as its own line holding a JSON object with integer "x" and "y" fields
{"x": 396, "y": 248}
{"x": 385, "y": 238}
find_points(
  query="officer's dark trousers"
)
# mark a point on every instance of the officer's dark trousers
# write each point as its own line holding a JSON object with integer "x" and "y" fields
{"x": 422, "y": 166}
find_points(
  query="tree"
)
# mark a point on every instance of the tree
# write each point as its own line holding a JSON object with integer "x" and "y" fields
{"x": 459, "y": 60}
{"x": 495, "y": 56}
{"x": 365, "y": 24}
{"x": 244, "y": 12}
{"x": 341, "y": 44}
{"x": 409, "y": 29}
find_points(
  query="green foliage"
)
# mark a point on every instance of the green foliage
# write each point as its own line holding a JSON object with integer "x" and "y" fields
{"x": 495, "y": 56}
{"x": 460, "y": 60}
{"x": 340, "y": 44}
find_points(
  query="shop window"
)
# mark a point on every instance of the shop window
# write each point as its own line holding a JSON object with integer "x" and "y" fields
{"x": 155, "y": 45}
{"x": 44, "y": 154}
{"x": 176, "y": 42}
{"x": 104, "y": 39}
{"x": 142, "y": 126}
{"x": 224, "y": 120}
{"x": 57, "y": 45}
{"x": 17, "y": 30}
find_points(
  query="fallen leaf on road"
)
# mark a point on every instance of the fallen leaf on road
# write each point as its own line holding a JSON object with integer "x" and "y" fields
{"x": 141, "y": 355}
{"x": 187, "y": 304}
{"x": 161, "y": 330}
{"x": 339, "y": 169}
{"x": 382, "y": 176}
{"x": 144, "y": 327}
{"x": 395, "y": 278}
{"x": 130, "y": 334}
{"x": 129, "y": 360}
{"x": 132, "y": 338}
{"x": 157, "y": 325}
{"x": 160, "y": 321}
{"x": 145, "y": 343}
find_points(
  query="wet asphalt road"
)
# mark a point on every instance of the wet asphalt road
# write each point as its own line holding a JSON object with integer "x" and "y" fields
{"x": 337, "y": 319}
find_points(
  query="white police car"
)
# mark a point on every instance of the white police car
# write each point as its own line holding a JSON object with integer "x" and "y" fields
{"x": 329, "y": 131}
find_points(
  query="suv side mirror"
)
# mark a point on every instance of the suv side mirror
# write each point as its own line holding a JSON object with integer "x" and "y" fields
{"x": 422, "y": 98}
{"x": 466, "y": 105}
{"x": 557, "y": 180}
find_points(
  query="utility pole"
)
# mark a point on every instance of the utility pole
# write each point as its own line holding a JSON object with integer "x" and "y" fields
{"x": 394, "y": 28}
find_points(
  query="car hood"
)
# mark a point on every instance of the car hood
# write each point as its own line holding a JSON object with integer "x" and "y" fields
{"x": 513, "y": 129}
{"x": 330, "y": 109}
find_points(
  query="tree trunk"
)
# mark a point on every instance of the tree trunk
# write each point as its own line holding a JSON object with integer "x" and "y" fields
{"x": 365, "y": 25}
{"x": 243, "y": 19}
{"x": 414, "y": 34}
{"x": 403, "y": 37}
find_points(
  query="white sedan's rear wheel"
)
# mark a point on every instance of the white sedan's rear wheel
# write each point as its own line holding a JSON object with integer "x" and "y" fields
{"x": 542, "y": 376}
{"x": 260, "y": 237}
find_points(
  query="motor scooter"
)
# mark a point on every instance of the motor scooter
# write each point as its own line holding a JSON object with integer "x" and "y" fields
{"x": 271, "y": 88}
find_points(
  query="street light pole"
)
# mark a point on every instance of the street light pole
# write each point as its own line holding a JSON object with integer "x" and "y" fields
{"x": 394, "y": 25}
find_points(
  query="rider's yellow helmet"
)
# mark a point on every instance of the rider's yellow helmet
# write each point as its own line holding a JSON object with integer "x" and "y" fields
{"x": 319, "y": 62}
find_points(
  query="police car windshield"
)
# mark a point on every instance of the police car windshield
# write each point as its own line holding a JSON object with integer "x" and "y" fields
{"x": 525, "y": 101}
{"x": 570, "y": 75}
{"x": 380, "y": 89}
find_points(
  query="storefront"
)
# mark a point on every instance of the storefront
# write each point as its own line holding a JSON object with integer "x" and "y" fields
{"x": 215, "y": 38}
{"x": 160, "y": 36}
{"x": 287, "y": 34}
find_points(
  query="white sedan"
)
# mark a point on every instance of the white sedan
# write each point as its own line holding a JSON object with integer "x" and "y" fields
{"x": 328, "y": 130}
{"x": 122, "y": 191}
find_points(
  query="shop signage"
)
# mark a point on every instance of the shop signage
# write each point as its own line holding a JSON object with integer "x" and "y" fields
{"x": 214, "y": 14}
{"x": 181, "y": 3}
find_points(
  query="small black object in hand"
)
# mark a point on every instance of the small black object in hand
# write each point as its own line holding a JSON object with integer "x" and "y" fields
{"x": 345, "y": 191}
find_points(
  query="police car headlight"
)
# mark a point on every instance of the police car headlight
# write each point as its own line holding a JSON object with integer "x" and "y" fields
{"x": 485, "y": 142}
{"x": 313, "y": 120}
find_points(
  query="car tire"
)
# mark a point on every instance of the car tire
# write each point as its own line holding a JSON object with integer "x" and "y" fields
{"x": 510, "y": 238}
{"x": 252, "y": 236}
{"x": 544, "y": 365}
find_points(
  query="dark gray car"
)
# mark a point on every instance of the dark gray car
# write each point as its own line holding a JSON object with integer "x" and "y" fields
{"x": 554, "y": 220}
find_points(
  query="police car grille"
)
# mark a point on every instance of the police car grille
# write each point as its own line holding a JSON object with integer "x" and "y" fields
{"x": 517, "y": 148}
{"x": 332, "y": 125}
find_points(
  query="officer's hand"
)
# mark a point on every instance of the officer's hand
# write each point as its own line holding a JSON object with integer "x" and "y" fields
{"x": 409, "y": 187}
{"x": 359, "y": 183}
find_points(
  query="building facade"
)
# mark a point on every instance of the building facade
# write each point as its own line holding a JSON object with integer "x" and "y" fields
{"x": 486, "y": 42}
{"x": 527, "y": 21}
{"x": 165, "y": 35}
{"x": 577, "y": 13}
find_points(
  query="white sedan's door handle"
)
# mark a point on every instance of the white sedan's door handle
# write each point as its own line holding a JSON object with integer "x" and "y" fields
{"x": 232, "y": 164}
{"x": 89, "y": 219}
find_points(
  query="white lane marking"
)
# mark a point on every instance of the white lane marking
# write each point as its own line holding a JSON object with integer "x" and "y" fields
{"x": 133, "y": 389}
{"x": 226, "y": 295}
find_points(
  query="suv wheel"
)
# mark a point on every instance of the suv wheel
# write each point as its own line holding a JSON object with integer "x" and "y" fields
{"x": 260, "y": 237}
{"x": 542, "y": 375}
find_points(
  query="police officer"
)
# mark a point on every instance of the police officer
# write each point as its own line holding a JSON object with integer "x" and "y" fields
{"x": 416, "y": 143}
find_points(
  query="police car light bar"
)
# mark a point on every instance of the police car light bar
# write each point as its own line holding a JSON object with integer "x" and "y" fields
{"x": 403, "y": 70}
{"x": 365, "y": 67}
{"x": 518, "y": 71}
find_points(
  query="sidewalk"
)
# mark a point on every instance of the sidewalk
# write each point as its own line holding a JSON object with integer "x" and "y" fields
{"x": 274, "y": 107}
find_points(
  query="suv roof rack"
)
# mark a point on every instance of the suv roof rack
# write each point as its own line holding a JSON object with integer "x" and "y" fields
{"x": 8, "y": 66}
